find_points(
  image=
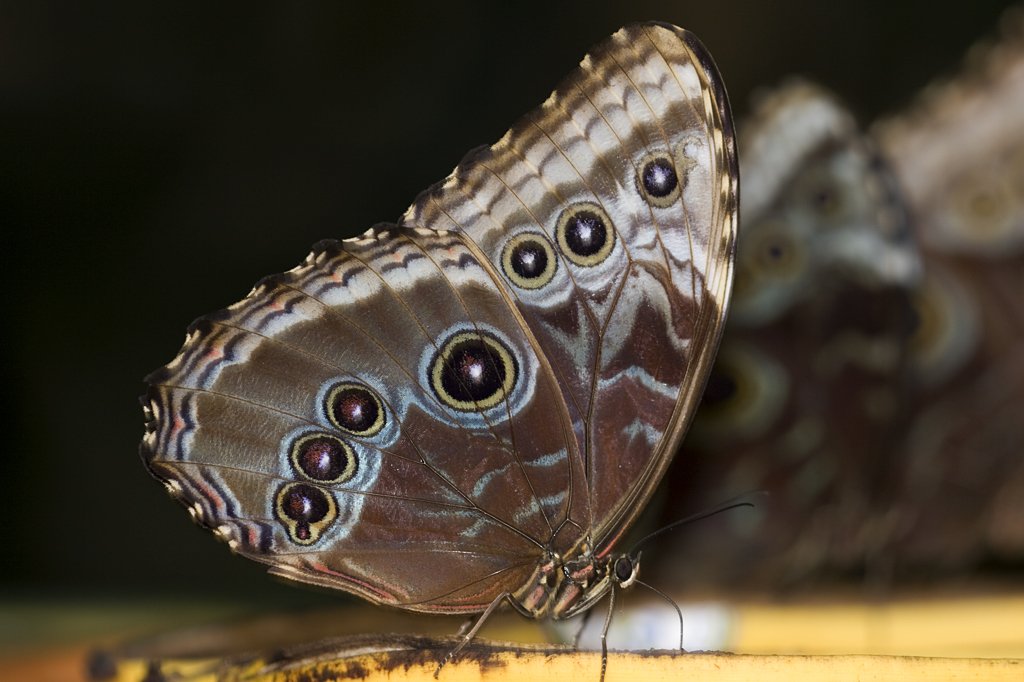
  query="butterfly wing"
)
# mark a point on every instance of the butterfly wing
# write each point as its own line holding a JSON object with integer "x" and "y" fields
{"x": 374, "y": 420}
{"x": 609, "y": 213}
{"x": 959, "y": 152}
{"x": 805, "y": 394}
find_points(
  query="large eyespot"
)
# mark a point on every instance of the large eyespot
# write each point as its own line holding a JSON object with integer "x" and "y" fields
{"x": 981, "y": 209}
{"x": 305, "y": 511}
{"x": 473, "y": 371}
{"x": 356, "y": 409}
{"x": 745, "y": 395}
{"x": 528, "y": 260}
{"x": 945, "y": 327}
{"x": 657, "y": 180}
{"x": 585, "y": 234}
{"x": 323, "y": 458}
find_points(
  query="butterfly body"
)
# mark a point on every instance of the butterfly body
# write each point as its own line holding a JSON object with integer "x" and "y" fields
{"x": 473, "y": 405}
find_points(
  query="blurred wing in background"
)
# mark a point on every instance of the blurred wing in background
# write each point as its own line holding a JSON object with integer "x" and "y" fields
{"x": 871, "y": 377}
{"x": 806, "y": 390}
{"x": 958, "y": 152}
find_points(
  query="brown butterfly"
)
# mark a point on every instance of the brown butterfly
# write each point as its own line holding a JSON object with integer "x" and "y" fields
{"x": 804, "y": 395}
{"x": 959, "y": 154}
{"x": 871, "y": 377}
{"x": 471, "y": 406}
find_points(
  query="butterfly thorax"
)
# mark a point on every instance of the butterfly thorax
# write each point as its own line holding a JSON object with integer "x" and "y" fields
{"x": 562, "y": 589}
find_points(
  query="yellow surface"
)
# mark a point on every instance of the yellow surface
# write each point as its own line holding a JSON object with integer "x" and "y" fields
{"x": 625, "y": 667}
{"x": 966, "y": 627}
{"x": 957, "y": 632}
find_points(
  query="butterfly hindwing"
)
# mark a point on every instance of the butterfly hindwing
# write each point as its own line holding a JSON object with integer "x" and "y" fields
{"x": 252, "y": 418}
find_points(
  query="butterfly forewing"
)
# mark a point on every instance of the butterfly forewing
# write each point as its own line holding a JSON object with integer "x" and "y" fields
{"x": 637, "y": 148}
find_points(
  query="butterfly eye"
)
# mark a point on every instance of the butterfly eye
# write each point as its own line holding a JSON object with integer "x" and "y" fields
{"x": 305, "y": 510}
{"x": 625, "y": 571}
{"x": 657, "y": 180}
{"x": 324, "y": 458}
{"x": 473, "y": 371}
{"x": 356, "y": 409}
{"x": 585, "y": 234}
{"x": 529, "y": 261}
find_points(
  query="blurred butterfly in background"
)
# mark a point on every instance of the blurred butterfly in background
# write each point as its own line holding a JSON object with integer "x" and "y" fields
{"x": 871, "y": 377}
{"x": 807, "y": 387}
{"x": 471, "y": 406}
{"x": 959, "y": 155}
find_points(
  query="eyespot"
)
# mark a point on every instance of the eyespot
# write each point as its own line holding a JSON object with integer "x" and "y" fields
{"x": 945, "y": 327}
{"x": 771, "y": 251}
{"x": 529, "y": 260}
{"x": 982, "y": 209}
{"x": 473, "y": 371}
{"x": 305, "y": 511}
{"x": 323, "y": 458}
{"x": 356, "y": 409}
{"x": 585, "y": 234}
{"x": 745, "y": 395}
{"x": 657, "y": 180}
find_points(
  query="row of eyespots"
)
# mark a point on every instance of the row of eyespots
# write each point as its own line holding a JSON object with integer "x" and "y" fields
{"x": 305, "y": 510}
{"x": 584, "y": 232}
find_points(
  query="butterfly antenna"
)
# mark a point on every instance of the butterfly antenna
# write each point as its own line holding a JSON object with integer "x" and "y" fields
{"x": 734, "y": 503}
{"x": 670, "y": 600}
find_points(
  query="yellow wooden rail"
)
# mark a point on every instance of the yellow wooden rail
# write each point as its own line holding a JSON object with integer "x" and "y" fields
{"x": 417, "y": 661}
{"x": 961, "y": 638}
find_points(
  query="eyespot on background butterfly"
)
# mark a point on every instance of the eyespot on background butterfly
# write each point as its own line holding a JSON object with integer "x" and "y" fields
{"x": 476, "y": 402}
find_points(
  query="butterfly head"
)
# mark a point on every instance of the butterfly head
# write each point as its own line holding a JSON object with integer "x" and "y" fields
{"x": 625, "y": 569}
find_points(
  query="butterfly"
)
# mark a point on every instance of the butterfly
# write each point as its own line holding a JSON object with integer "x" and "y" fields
{"x": 806, "y": 389}
{"x": 471, "y": 406}
{"x": 959, "y": 153}
{"x": 871, "y": 376}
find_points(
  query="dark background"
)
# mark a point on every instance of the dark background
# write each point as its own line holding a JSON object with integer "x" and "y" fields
{"x": 158, "y": 158}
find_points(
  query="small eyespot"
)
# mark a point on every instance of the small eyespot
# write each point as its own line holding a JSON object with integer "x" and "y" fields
{"x": 826, "y": 198}
{"x": 356, "y": 409}
{"x": 323, "y": 458}
{"x": 473, "y": 371}
{"x": 585, "y": 234}
{"x": 771, "y": 251}
{"x": 657, "y": 180}
{"x": 305, "y": 511}
{"x": 528, "y": 260}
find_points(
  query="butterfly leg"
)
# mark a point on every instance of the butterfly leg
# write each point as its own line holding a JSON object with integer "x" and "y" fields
{"x": 604, "y": 632}
{"x": 468, "y": 635}
{"x": 584, "y": 622}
